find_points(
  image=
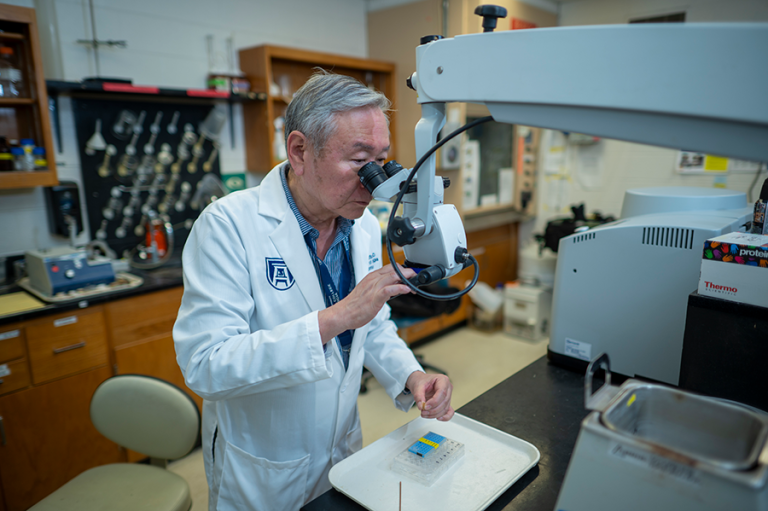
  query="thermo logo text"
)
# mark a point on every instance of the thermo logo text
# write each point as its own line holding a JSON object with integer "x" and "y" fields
{"x": 717, "y": 287}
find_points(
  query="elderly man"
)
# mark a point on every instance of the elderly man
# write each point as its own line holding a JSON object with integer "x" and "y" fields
{"x": 285, "y": 302}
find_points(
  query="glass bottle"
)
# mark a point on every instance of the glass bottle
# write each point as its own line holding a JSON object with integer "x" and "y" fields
{"x": 6, "y": 158}
{"x": 41, "y": 163}
{"x": 28, "y": 145}
{"x": 11, "y": 85}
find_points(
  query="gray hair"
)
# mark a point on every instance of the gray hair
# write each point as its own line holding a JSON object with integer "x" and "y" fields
{"x": 313, "y": 109}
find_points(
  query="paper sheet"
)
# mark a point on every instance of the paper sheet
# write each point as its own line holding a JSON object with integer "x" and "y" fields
{"x": 18, "y": 302}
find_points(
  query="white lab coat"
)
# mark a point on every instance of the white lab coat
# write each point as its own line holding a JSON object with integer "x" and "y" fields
{"x": 278, "y": 411}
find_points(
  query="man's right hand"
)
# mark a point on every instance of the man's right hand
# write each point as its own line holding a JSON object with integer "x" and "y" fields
{"x": 364, "y": 302}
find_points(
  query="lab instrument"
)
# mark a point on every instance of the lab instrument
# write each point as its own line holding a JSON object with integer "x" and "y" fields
{"x": 622, "y": 287}
{"x": 649, "y": 446}
{"x": 620, "y": 97}
{"x": 63, "y": 269}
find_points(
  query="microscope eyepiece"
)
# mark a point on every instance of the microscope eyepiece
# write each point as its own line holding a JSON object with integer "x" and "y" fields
{"x": 372, "y": 175}
{"x": 392, "y": 167}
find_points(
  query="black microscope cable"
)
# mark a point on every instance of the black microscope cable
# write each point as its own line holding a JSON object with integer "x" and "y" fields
{"x": 399, "y": 199}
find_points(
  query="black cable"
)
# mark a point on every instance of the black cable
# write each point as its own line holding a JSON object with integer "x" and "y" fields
{"x": 399, "y": 198}
{"x": 754, "y": 181}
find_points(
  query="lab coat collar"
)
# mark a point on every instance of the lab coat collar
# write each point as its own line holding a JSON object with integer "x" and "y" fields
{"x": 360, "y": 240}
{"x": 272, "y": 200}
{"x": 287, "y": 238}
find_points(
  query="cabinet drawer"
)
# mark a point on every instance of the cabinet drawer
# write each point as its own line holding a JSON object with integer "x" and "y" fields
{"x": 11, "y": 342}
{"x": 142, "y": 318}
{"x": 14, "y": 375}
{"x": 66, "y": 344}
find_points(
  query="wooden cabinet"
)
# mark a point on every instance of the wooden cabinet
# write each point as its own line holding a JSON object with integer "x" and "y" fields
{"x": 50, "y": 368}
{"x": 49, "y": 438}
{"x": 279, "y": 72}
{"x": 52, "y": 365}
{"x": 26, "y": 116}
{"x": 14, "y": 365}
{"x": 141, "y": 339}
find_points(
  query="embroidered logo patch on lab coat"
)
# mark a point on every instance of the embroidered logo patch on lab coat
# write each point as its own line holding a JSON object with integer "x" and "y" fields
{"x": 278, "y": 274}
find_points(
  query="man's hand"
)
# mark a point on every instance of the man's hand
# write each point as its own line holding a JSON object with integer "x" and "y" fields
{"x": 364, "y": 302}
{"x": 432, "y": 393}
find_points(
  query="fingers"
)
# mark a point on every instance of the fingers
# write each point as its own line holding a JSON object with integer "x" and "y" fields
{"x": 448, "y": 416}
{"x": 438, "y": 392}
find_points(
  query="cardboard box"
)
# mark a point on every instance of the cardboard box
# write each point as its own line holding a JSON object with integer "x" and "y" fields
{"x": 734, "y": 267}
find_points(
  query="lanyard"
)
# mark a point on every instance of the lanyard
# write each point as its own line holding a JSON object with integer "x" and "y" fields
{"x": 332, "y": 295}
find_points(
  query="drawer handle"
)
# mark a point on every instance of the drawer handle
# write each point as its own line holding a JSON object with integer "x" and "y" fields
{"x": 81, "y": 344}
{"x": 2, "y": 432}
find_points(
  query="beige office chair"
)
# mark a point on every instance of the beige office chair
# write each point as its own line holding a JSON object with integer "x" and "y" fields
{"x": 147, "y": 415}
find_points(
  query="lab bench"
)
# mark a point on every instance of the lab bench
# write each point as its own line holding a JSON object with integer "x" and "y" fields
{"x": 542, "y": 404}
{"x": 53, "y": 358}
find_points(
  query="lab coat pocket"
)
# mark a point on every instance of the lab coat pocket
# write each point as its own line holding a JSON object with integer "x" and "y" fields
{"x": 249, "y": 482}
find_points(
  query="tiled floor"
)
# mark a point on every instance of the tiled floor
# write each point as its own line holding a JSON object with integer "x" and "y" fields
{"x": 475, "y": 362}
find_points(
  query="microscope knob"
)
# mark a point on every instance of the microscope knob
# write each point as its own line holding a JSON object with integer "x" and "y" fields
{"x": 401, "y": 231}
{"x": 490, "y": 13}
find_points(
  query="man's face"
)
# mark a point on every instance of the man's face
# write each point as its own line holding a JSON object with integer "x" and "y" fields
{"x": 361, "y": 136}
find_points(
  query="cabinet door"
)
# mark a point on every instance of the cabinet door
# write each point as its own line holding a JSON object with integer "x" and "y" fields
{"x": 154, "y": 358}
{"x": 49, "y": 438}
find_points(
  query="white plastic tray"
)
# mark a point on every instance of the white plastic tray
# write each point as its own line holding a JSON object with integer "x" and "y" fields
{"x": 122, "y": 282}
{"x": 492, "y": 462}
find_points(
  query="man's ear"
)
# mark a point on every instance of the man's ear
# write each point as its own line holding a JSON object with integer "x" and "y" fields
{"x": 298, "y": 151}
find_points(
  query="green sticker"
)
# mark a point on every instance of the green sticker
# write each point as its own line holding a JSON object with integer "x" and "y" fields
{"x": 233, "y": 182}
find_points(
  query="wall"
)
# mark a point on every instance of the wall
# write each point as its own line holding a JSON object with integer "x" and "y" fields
{"x": 599, "y": 175}
{"x": 167, "y": 47}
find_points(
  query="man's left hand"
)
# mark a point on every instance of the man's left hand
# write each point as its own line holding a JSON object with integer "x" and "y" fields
{"x": 432, "y": 393}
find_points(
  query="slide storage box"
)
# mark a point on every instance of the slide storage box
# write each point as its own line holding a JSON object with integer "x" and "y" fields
{"x": 734, "y": 267}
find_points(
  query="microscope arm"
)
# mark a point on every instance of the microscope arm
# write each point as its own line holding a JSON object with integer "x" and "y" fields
{"x": 691, "y": 86}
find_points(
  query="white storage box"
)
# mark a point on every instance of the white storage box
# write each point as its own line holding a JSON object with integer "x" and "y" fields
{"x": 527, "y": 310}
{"x": 734, "y": 267}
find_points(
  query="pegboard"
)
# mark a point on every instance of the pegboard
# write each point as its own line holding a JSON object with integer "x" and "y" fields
{"x": 141, "y": 158}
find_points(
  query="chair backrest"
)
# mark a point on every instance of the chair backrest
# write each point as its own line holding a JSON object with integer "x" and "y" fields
{"x": 146, "y": 414}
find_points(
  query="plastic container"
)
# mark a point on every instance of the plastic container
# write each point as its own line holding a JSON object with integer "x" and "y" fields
{"x": 40, "y": 162}
{"x": 28, "y": 145}
{"x": 18, "y": 158}
{"x": 11, "y": 84}
{"x": 427, "y": 469}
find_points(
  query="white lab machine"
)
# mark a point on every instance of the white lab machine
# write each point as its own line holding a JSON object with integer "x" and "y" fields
{"x": 622, "y": 288}
{"x": 527, "y": 310}
{"x": 649, "y": 446}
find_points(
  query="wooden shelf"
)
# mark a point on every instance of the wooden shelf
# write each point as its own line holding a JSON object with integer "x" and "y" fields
{"x": 18, "y": 179}
{"x": 26, "y": 117}
{"x": 16, "y": 101}
{"x": 290, "y": 68}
